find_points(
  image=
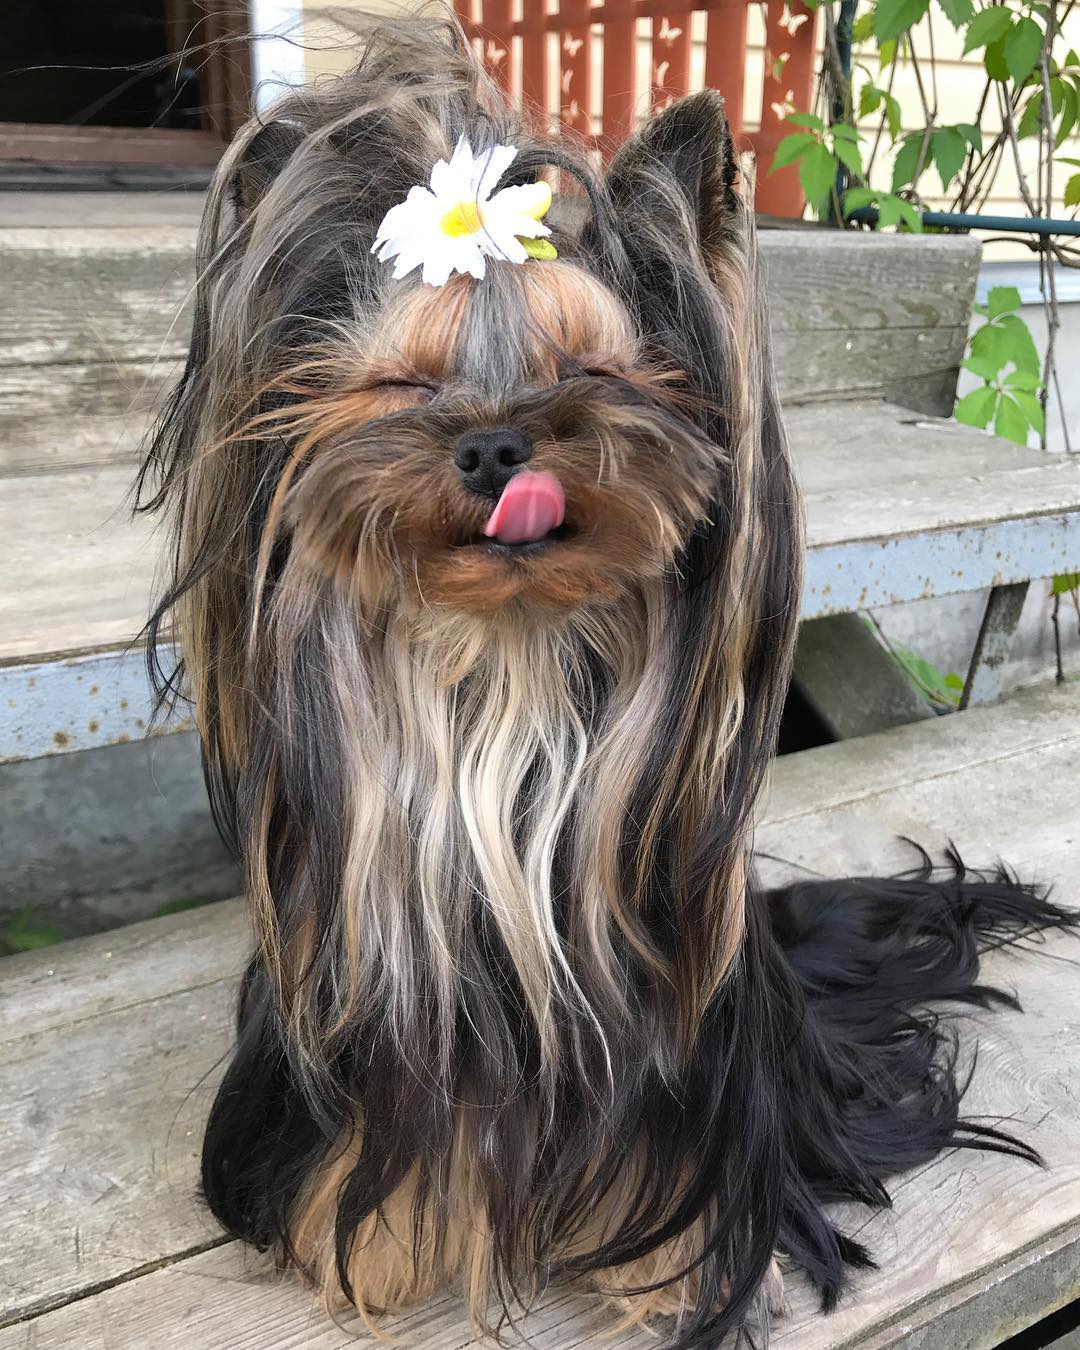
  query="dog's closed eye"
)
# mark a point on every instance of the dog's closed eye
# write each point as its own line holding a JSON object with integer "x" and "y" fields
{"x": 576, "y": 370}
{"x": 406, "y": 384}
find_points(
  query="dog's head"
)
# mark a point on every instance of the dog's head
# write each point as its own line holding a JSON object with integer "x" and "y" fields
{"x": 374, "y": 424}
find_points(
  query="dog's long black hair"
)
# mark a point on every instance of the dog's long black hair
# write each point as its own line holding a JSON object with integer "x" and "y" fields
{"x": 518, "y": 1009}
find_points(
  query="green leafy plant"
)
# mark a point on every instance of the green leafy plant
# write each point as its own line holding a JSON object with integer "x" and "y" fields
{"x": 26, "y": 932}
{"x": 1003, "y": 355}
{"x": 818, "y": 151}
{"x": 941, "y": 689}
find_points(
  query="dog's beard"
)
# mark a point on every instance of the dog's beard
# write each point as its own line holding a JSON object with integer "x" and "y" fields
{"x": 481, "y": 766}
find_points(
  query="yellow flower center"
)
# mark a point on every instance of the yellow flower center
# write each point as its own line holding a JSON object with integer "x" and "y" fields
{"x": 465, "y": 218}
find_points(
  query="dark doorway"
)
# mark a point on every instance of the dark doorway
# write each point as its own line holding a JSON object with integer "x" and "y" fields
{"x": 149, "y": 82}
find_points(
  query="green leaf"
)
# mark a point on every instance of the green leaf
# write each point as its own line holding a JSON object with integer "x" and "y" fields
{"x": 801, "y": 119}
{"x": 1019, "y": 345}
{"x": 849, "y": 155}
{"x": 906, "y": 160}
{"x": 887, "y": 52}
{"x": 954, "y": 681}
{"x": 909, "y": 214}
{"x": 1072, "y": 191}
{"x": 994, "y": 60}
{"x": 1002, "y": 300}
{"x": 1064, "y": 583}
{"x": 1023, "y": 379}
{"x": 1029, "y": 118}
{"x": 972, "y": 134}
{"x": 857, "y": 197}
{"x": 989, "y": 345}
{"x": 958, "y": 12}
{"x": 1010, "y": 422}
{"x": 870, "y": 97}
{"x": 987, "y": 26}
{"x": 977, "y": 408}
{"x": 983, "y": 366}
{"x": 949, "y": 150}
{"x": 892, "y": 210}
{"x": 791, "y": 147}
{"x": 893, "y": 17}
{"x": 1070, "y": 113}
{"x": 1032, "y": 409}
{"x": 892, "y": 115}
{"x": 817, "y": 173}
{"x": 1022, "y": 48}
{"x": 863, "y": 27}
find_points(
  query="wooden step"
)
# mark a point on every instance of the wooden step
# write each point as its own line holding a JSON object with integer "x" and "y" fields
{"x": 110, "y": 1048}
{"x": 899, "y": 506}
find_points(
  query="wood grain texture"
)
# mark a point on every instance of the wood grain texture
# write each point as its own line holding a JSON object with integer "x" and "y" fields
{"x": 83, "y": 567}
{"x": 59, "y": 416}
{"x": 117, "y": 295}
{"x": 78, "y": 296}
{"x": 103, "y": 1052}
{"x": 870, "y": 472}
{"x": 875, "y": 471}
{"x": 108, "y": 972}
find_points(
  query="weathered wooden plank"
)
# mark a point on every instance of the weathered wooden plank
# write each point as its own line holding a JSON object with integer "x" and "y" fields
{"x": 872, "y": 471}
{"x": 82, "y": 702}
{"x": 914, "y": 367}
{"x": 93, "y": 1078}
{"x": 58, "y": 416}
{"x": 116, "y": 295}
{"x": 899, "y": 506}
{"x": 1004, "y": 607}
{"x": 78, "y": 296}
{"x": 810, "y": 784}
{"x": 100, "y": 1132}
{"x": 83, "y": 567}
{"x": 823, "y": 279}
{"x": 101, "y": 210}
{"x": 132, "y": 966}
{"x": 866, "y": 573}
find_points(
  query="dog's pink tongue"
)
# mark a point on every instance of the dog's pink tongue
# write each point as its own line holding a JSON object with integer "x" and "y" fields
{"x": 531, "y": 505}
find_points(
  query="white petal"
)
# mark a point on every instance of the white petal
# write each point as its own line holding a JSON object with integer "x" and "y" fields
{"x": 416, "y": 212}
{"x": 499, "y": 241}
{"x": 503, "y": 219}
{"x": 490, "y": 166}
{"x": 451, "y": 179}
{"x": 524, "y": 198}
{"x": 437, "y": 267}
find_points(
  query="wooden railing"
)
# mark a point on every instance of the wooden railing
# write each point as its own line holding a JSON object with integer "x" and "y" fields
{"x": 556, "y": 79}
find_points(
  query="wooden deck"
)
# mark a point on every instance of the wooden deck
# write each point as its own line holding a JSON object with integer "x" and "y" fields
{"x": 110, "y": 1048}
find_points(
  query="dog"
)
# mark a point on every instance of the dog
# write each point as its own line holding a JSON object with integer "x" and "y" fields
{"x": 486, "y": 568}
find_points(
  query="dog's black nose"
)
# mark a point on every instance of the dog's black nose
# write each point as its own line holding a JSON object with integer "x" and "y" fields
{"x": 489, "y": 459}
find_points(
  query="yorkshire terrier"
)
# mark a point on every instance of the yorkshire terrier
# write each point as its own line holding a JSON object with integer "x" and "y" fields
{"x": 487, "y": 561}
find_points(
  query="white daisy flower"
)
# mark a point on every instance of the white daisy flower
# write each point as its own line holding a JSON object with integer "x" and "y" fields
{"x": 459, "y": 221}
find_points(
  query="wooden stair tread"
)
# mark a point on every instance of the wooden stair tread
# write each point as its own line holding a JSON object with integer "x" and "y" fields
{"x": 87, "y": 568}
{"x": 112, "y": 1046}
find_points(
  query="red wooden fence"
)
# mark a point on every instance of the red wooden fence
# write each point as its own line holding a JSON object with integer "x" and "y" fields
{"x": 514, "y": 37}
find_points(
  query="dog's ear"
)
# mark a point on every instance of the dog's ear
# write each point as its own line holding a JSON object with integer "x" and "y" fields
{"x": 675, "y": 180}
{"x": 260, "y": 162}
{"x": 671, "y": 230}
